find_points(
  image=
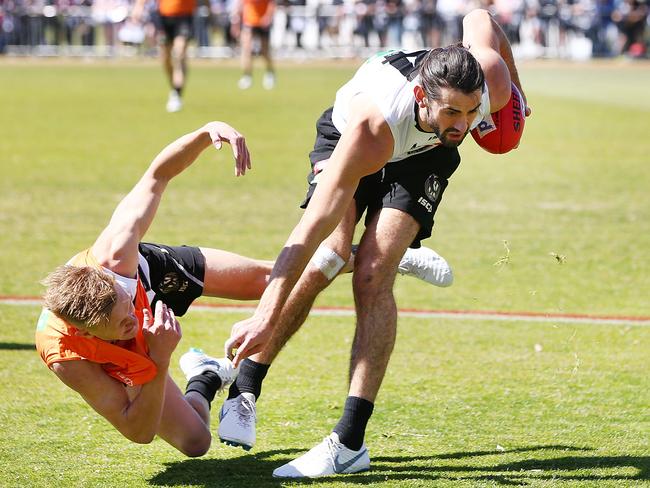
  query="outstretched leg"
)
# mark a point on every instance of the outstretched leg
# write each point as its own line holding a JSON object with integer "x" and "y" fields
{"x": 238, "y": 415}
{"x": 237, "y": 277}
{"x": 230, "y": 275}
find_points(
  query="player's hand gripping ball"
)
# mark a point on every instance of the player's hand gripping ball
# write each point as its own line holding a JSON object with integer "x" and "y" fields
{"x": 502, "y": 131}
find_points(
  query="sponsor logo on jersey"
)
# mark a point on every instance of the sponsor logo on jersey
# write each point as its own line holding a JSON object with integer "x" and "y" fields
{"x": 486, "y": 126}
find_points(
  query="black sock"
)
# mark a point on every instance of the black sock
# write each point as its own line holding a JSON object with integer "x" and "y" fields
{"x": 249, "y": 379}
{"x": 178, "y": 90}
{"x": 206, "y": 384}
{"x": 352, "y": 425}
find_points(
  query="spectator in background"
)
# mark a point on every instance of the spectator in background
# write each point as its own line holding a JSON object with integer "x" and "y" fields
{"x": 575, "y": 19}
{"x": 221, "y": 10}
{"x": 75, "y": 22}
{"x": 254, "y": 18}
{"x": 109, "y": 16}
{"x": 601, "y": 25}
{"x": 296, "y": 19}
{"x": 365, "y": 19}
{"x": 631, "y": 16}
{"x": 431, "y": 24}
{"x": 3, "y": 39}
{"x": 203, "y": 25}
{"x": 541, "y": 14}
{"x": 451, "y": 15}
{"x": 395, "y": 22}
{"x": 509, "y": 14}
{"x": 330, "y": 15}
{"x": 174, "y": 25}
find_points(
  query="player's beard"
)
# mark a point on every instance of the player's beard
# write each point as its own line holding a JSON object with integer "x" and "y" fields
{"x": 443, "y": 136}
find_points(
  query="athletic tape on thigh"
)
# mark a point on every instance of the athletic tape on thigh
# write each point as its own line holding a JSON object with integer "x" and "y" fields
{"x": 327, "y": 261}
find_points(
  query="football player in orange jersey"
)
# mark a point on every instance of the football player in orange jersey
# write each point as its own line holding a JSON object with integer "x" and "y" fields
{"x": 249, "y": 19}
{"x": 174, "y": 21}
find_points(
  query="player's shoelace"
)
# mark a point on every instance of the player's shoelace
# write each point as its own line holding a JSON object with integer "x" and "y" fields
{"x": 332, "y": 449}
{"x": 245, "y": 412}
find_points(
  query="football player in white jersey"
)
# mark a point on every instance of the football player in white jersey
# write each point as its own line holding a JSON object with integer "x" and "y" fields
{"x": 387, "y": 148}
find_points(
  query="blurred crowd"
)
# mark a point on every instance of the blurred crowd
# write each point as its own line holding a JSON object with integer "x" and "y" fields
{"x": 537, "y": 28}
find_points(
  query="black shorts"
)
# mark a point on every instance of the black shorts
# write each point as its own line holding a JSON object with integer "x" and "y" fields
{"x": 261, "y": 32}
{"x": 414, "y": 185}
{"x": 170, "y": 28}
{"x": 175, "y": 274}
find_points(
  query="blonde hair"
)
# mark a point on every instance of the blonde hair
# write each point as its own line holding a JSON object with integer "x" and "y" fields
{"x": 80, "y": 295}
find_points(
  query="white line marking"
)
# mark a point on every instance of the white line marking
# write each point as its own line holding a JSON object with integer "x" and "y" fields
{"x": 423, "y": 314}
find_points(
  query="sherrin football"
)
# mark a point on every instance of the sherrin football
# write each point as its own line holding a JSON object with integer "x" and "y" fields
{"x": 502, "y": 130}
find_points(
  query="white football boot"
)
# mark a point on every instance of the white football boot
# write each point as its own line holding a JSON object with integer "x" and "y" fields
{"x": 237, "y": 421}
{"x": 245, "y": 82}
{"x": 268, "y": 82}
{"x": 174, "y": 102}
{"x": 427, "y": 265}
{"x": 327, "y": 458}
{"x": 195, "y": 361}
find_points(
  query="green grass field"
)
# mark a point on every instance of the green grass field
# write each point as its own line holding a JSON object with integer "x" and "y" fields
{"x": 465, "y": 403}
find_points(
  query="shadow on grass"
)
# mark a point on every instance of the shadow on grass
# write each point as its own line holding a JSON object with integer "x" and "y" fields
{"x": 255, "y": 469}
{"x": 16, "y": 346}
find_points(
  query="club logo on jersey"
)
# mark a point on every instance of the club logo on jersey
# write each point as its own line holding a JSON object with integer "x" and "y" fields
{"x": 432, "y": 188}
{"x": 486, "y": 126}
{"x": 171, "y": 282}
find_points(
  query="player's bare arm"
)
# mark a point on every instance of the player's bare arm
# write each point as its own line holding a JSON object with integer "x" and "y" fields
{"x": 138, "y": 419}
{"x": 365, "y": 147}
{"x": 485, "y": 39}
{"x": 117, "y": 246}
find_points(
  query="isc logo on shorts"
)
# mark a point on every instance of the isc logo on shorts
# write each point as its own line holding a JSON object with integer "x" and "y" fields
{"x": 426, "y": 204}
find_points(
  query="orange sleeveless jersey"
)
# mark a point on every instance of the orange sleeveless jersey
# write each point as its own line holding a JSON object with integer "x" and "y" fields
{"x": 128, "y": 362}
{"x": 254, "y": 10}
{"x": 175, "y": 8}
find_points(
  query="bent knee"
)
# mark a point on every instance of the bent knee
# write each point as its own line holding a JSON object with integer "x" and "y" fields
{"x": 197, "y": 446}
{"x": 372, "y": 280}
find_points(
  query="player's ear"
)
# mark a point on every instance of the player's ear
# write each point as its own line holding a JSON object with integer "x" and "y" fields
{"x": 420, "y": 96}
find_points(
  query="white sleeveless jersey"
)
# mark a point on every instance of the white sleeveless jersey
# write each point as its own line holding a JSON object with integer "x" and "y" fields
{"x": 393, "y": 94}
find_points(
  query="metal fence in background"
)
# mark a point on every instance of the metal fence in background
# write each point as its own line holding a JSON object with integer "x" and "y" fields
{"x": 577, "y": 29}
